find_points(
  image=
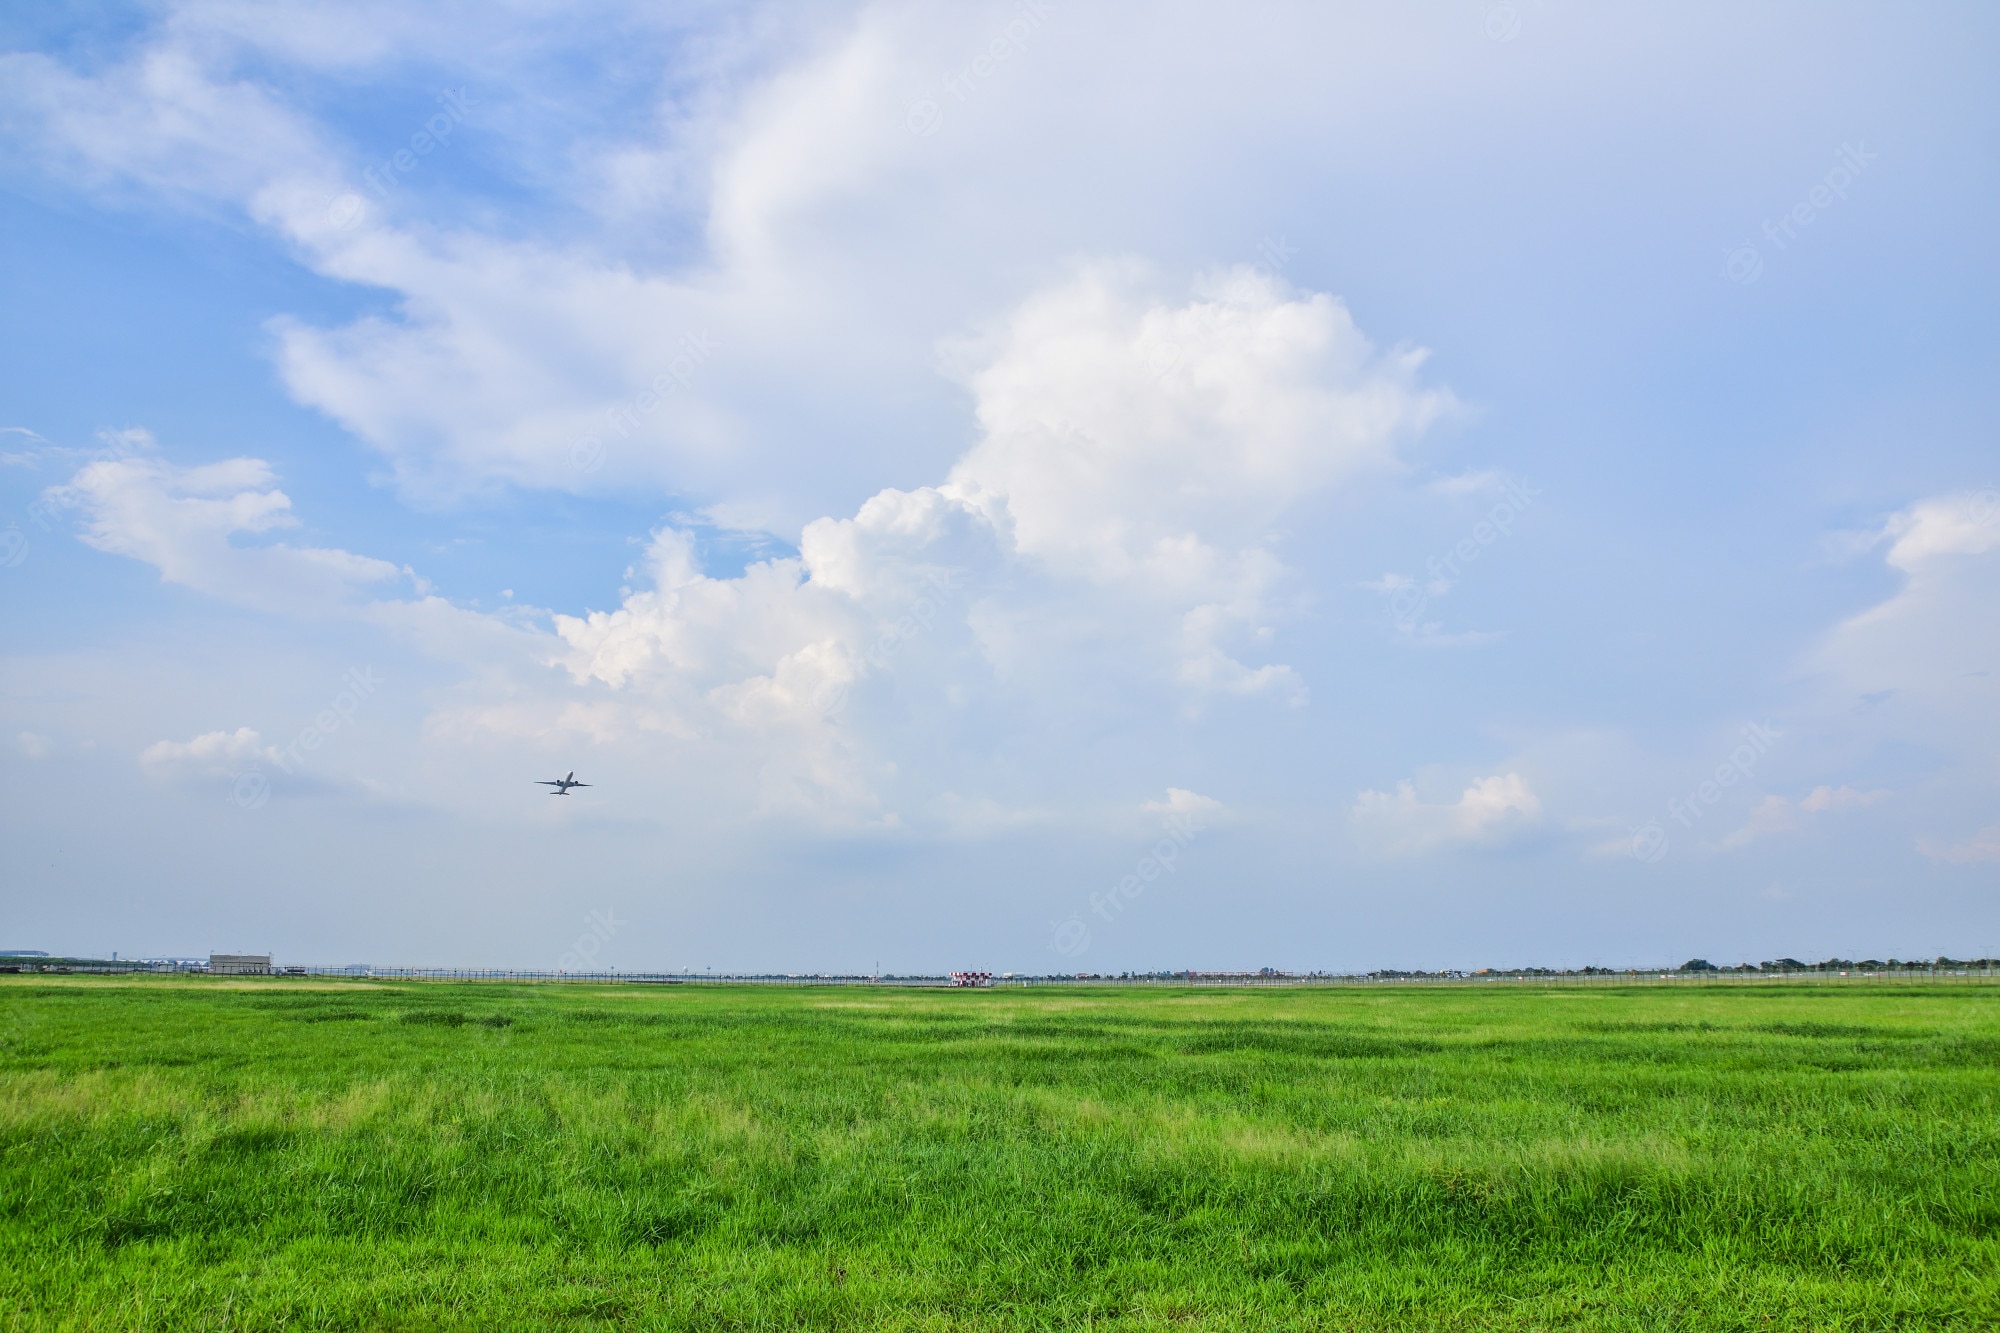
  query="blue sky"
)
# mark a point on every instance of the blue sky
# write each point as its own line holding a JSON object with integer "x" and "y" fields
{"x": 1000, "y": 486}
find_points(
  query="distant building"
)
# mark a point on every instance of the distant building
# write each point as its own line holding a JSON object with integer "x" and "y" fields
{"x": 240, "y": 964}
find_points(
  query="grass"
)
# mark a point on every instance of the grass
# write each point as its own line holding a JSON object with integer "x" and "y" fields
{"x": 177, "y": 1153}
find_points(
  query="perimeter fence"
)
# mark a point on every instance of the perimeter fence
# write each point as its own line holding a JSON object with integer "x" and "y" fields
{"x": 1984, "y": 970}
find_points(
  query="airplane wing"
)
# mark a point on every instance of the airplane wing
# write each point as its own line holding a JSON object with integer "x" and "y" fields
{"x": 540, "y": 782}
{"x": 579, "y": 784}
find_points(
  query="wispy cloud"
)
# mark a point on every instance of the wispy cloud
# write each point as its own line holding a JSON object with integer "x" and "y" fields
{"x": 1983, "y": 846}
{"x": 1776, "y": 814}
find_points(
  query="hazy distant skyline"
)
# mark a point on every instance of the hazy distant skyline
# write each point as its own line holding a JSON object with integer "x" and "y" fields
{"x": 1015, "y": 487}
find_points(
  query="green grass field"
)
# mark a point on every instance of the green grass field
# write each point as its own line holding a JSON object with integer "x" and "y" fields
{"x": 188, "y": 1153}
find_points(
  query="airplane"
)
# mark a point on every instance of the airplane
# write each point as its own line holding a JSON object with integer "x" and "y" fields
{"x": 562, "y": 785}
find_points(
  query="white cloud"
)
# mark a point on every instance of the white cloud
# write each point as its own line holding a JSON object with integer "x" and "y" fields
{"x": 513, "y": 361}
{"x": 1104, "y": 463}
{"x": 1964, "y": 524}
{"x": 32, "y": 746}
{"x": 184, "y": 522}
{"x": 1491, "y": 809}
{"x": 1009, "y": 616}
{"x": 211, "y": 754}
{"x": 1983, "y": 846}
{"x": 1838, "y": 798}
{"x": 1058, "y": 570}
{"x": 1184, "y": 804}
{"x": 1940, "y": 623}
{"x": 162, "y": 121}
{"x": 1775, "y": 814}
{"x": 1105, "y": 516}
{"x": 802, "y": 682}
{"x": 1919, "y": 666}
{"x": 502, "y": 355}
{"x": 1053, "y": 574}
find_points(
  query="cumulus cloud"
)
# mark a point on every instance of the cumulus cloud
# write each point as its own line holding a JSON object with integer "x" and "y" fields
{"x": 1104, "y": 458}
{"x": 1150, "y": 448}
{"x": 1491, "y": 809}
{"x": 1052, "y": 569}
{"x": 1109, "y": 529}
{"x": 1108, "y": 536}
